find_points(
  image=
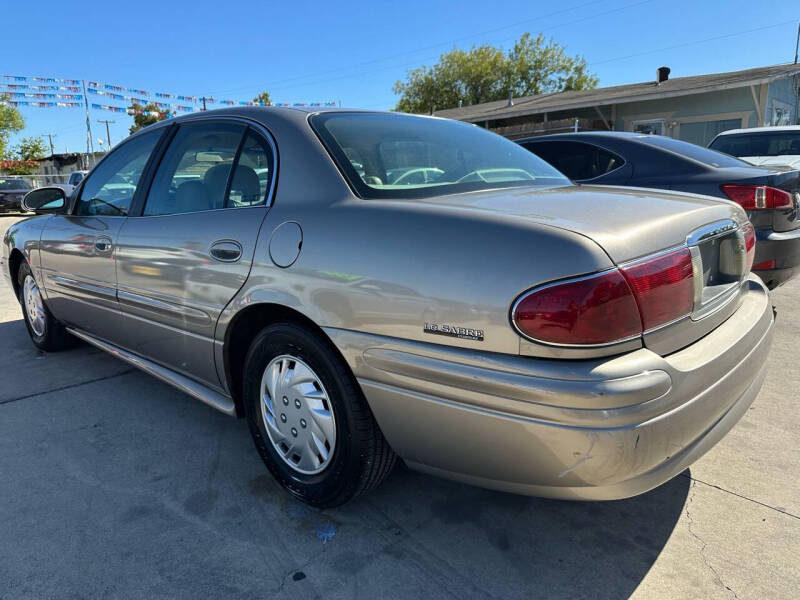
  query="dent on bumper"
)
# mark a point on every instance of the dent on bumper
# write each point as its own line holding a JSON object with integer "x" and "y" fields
{"x": 601, "y": 429}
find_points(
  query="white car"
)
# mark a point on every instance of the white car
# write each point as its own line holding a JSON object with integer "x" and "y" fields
{"x": 762, "y": 145}
{"x": 76, "y": 177}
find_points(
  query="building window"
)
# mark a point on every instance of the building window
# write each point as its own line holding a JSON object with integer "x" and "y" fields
{"x": 652, "y": 126}
{"x": 703, "y": 132}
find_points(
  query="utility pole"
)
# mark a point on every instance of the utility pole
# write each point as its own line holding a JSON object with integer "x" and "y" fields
{"x": 50, "y": 136}
{"x": 89, "y": 139}
{"x": 797, "y": 44}
{"x": 108, "y": 135}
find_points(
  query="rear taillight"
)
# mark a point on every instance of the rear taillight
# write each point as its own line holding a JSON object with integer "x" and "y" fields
{"x": 610, "y": 306}
{"x": 767, "y": 265}
{"x": 599, "y": 309}
{"x": 664, "y": 287}
{"x": 757, "y": 197}
{"x": 749, "y": 245}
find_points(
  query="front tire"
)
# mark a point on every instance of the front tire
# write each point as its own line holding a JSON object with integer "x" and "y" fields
{"x": 309, "y": 419}
{"x": 46, "y": 332}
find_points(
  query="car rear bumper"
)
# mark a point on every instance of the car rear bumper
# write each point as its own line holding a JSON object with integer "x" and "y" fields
{"x": 591, "y": 430}
{"x": 784, "y": 249}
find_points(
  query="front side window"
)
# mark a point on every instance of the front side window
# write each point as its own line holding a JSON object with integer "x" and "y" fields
{"x": 404, "y": 156}
{"x": 786, "y": 143}
{"x": 109, "y": 189}
{"x": 577, "y": 160}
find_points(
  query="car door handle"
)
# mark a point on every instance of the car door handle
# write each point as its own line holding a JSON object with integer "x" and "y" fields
{"x": 226, "y": 250}
{"x": 102, "y": 244}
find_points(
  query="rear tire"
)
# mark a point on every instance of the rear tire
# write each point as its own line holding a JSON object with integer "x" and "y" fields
{"x": 46, "y": 332}
{"x": 295, "y": 383}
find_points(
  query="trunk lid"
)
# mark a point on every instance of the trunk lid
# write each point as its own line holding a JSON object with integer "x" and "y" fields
{"x": 632, "y": 223}
{"x": 626, "y": 222}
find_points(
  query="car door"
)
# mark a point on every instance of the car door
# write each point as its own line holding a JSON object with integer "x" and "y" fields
{"x": 583, "y": 162}
{"x": 186, "y": 255}
{"x": 78, "y": 249}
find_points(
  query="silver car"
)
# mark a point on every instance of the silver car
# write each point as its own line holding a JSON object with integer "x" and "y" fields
{"x": 362, "y": 285}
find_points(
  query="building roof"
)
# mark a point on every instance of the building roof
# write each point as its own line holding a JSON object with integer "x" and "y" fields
{"x": 634, "y": 92}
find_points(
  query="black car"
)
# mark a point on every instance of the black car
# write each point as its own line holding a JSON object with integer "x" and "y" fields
{"x": 770, "y": 195}
{"x": 11, "y": 192}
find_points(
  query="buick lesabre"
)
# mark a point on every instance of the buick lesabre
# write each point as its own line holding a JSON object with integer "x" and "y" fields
{"x": 362, "y": 286}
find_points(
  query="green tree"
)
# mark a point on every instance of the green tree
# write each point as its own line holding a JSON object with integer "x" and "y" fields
{"x": 141, "y": 120}
{"x": 485, "y": 73}
{"x": 263, "y": 97}
{"x": 11, "y": 121}
{"x": 30, "y": 148}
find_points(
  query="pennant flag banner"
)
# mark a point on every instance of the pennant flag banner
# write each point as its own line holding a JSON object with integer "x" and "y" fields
{"x": 21, "y": 78}
{"x": 44, "y": 96}
{"x": 47, "y": 88}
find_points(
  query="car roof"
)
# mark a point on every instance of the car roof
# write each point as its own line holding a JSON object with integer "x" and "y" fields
{"x": 775, "y": 128}
{"x": 631, "y": 136}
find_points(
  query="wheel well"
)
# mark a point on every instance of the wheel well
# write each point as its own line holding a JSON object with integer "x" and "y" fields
{"x": 14, "y": 263}
{"x": 246, "y": 325}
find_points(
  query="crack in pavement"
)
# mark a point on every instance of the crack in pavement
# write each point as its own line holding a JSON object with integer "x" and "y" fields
{"x": 703, "y": 543}
{"x": 722, "y": 489}
{"x": 68, "y": 387}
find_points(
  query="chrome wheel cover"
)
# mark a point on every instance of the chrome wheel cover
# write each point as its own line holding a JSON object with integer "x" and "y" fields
{"x": 297, "y": 415}
{"x": 34, "y": 307}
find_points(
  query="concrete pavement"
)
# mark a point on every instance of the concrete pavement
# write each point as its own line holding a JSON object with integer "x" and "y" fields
{"x": 113, "y": 484}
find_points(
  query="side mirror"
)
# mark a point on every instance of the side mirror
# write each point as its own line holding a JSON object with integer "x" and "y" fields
{"x": 46, "y": 200}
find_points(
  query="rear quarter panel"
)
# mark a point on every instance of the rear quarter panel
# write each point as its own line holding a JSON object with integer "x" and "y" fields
{"x": 388, "y": 268}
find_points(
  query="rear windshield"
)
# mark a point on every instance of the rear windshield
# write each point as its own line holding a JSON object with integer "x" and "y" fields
{"x": 404, "y": 156}
{"x": 759, "y": 144}
{"x": 14, "y": 184}
{"x": 693, "y": 151}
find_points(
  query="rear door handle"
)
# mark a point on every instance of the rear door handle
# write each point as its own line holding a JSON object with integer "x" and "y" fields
{"x": 226, "y": 250}
{"x": 102, "y": 244}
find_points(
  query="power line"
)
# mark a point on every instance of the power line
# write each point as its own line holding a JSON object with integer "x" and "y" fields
{"x": 447, "y": 43}
{"x": 685, "y": 44}
{"x": 416, "y": 63}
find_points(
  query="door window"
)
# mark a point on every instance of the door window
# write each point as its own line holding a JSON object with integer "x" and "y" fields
{"x": 251, "y": 176}
{"x": 194, "y": 173}
{"x": 577, "y": 160}
{"x": 109, "y": 189}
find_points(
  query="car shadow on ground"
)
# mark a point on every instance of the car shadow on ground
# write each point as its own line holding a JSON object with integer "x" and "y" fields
{"x": 168, "y": 497}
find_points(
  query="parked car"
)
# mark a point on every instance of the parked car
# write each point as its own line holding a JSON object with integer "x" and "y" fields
{"x": 76, "y": 177}
{"x": 762, "y": 145}
{"x": 498, "y": 326}
{"x": 12, "y": 190}
{"x": 770, "y": 195}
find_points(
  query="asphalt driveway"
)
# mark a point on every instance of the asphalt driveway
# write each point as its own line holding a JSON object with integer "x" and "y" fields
{"x": 114, "y": 485}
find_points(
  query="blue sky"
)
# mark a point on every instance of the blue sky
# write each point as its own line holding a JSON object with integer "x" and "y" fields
{"x": 353, "y": 52}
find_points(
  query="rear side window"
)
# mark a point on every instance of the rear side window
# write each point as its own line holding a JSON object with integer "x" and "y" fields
{"x": 109, "y": 189}
{"x": 692, "y": 151}
{"x": 577, "y": 160}
{"x": 783, "y": 143}
{"x": 211, "y": 166}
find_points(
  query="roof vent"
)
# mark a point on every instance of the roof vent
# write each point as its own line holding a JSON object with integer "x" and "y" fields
{"x": 662, "y": 74}
{"x": 510, "y": 98}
